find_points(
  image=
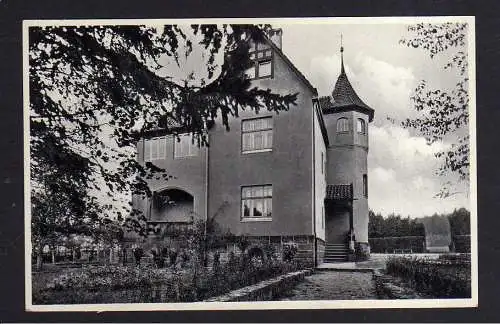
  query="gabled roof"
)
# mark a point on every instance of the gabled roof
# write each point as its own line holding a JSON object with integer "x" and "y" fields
{"x": 301, "y": 76}
{"x": 344, "y": 97}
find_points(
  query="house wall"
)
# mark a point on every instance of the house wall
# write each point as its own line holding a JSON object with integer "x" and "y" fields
{"x": 288, "y": 167}
{"x": 347, "y": 162}
{"x": 188, "y": 174}
{"x": 319, "y": 179}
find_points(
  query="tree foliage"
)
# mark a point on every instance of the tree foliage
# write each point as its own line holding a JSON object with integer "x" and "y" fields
{"x": 95, "y": 90}
{"x": 392, "y": 225}
{"x": 443, "y": 111}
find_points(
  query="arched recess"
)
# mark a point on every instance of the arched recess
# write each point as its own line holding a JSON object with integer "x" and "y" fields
{"x": 172, "y": 205}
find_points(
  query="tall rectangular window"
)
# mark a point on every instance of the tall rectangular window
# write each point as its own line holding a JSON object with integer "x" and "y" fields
{"x": 322, "y": 163}
{"x": 256, "y": 202}
{"x": 185, "y": 146}
{"x": 365, "y": 185}
{"x": 323, "y": 217}
{"x": 257, "y": 135}
{"x": 155, "y": 149}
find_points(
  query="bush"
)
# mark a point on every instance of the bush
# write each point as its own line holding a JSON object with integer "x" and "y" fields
{"x": 172, "y": 256}
{"x": 106, "y": 284}
{"x": 391, "y": 244}
{"x": 138, "y": 254}
{"x": 439, "y": 278}
{"x": 289, "y": 252}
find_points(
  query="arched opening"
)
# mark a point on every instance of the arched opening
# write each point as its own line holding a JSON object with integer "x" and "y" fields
{"x": 173, "y": 206}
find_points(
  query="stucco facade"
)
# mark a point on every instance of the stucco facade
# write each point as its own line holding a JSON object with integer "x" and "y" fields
{"x": 306, "y": 157}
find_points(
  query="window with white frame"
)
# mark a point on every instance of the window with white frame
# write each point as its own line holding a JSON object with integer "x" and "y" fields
{"x": 256, "y": 202}
{"x": 155, "y": 149}
{"x": 342, "y": 125}
{"x": 185, "y": 146}
{"x": 257, "y": 135}
{"x": 323, "y": 217}
{"x": 365, "y": 185}
{"x": 261, "y": 56}
{"x": 361, "y": 126}
{"x": 322, "y": 163}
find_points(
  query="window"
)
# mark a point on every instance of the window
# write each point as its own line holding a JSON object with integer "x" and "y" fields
{"x": 323, "y": 217}
{"x": 261, "y": 56}
{"x": 185, "y": 146}
{"x": 257, "y": 135}
{"x": 365, "y": 185}
{"x": 257, "y": 202}
{"x": 361, "y": 126}
{"x": 322, "y": 163}
{"x": 155, "y": 149}
{"x": 342, "y": 125}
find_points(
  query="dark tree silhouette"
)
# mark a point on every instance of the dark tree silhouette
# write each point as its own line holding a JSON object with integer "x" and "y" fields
{"x": 443, "y": 112}
{"x": 95, "y": 90}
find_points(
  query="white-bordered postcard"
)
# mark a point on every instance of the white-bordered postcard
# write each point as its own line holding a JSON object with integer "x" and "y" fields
{"x": 223, "y": 164}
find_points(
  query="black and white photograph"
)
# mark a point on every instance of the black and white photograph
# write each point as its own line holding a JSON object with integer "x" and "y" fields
{"x": 285, "y": 163}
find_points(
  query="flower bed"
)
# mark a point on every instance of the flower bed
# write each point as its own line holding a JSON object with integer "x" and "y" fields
{"x": 439, "y": 278}
{"x": 117, "y": 284}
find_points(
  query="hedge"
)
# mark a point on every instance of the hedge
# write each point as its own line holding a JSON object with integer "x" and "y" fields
{"x": 415, "y": 244}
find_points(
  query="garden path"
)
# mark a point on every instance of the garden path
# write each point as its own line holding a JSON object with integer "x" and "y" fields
{"x": 334, "y": 285}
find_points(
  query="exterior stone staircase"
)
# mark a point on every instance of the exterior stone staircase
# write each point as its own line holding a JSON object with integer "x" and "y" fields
{"x": 336, "y": 252}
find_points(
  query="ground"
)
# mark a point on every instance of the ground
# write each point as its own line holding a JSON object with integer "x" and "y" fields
{"x": 331, "y": 285}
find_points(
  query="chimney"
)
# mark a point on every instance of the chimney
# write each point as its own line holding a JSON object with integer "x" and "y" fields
{"x": 275, "y": 36}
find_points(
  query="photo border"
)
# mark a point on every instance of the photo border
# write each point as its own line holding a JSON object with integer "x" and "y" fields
{"x": 265, "y": 305}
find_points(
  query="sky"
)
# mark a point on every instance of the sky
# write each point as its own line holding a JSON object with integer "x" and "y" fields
{"x": 384, "y": 73}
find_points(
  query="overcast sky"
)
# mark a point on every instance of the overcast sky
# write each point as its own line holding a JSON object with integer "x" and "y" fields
{"x": 401, "y": 166}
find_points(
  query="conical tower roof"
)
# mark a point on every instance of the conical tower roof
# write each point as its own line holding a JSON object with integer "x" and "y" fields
{"x": 343, "y": 95}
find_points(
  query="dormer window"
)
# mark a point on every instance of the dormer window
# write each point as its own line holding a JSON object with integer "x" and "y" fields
{"x": 261, "y": 56}
{"x": 342, "y": 125}
{"x": 361, "y": 126}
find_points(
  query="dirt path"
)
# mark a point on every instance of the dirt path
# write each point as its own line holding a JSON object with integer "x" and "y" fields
{"x": 330, "y": 285}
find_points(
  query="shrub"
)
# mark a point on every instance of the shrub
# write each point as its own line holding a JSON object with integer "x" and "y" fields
{"x": 158, "y": 259}
{"x": 138, "y": 254}
{"x": 172, "y": 256}
{"x": 390, "y": 244}
{"x": 439, "y": 278}
{"x": 289, "y": 252}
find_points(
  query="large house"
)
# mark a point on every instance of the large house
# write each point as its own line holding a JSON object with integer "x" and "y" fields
{"x": 295, "y": 177}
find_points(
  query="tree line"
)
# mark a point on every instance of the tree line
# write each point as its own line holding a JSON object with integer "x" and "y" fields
{"x": 397, "y": 226}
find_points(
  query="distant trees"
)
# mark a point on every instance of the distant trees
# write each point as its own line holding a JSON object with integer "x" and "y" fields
{"x": 397, "y": 226}
{"x": 393, "y": 226}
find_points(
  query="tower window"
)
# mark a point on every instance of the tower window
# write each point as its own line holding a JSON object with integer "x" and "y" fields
{"x": 365, "y": 185}
{"x": 342, "y": 125}
{"x": 361, "y": 126}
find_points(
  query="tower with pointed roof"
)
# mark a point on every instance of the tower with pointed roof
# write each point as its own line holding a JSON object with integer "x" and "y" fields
{"x": 346, "y": 119}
